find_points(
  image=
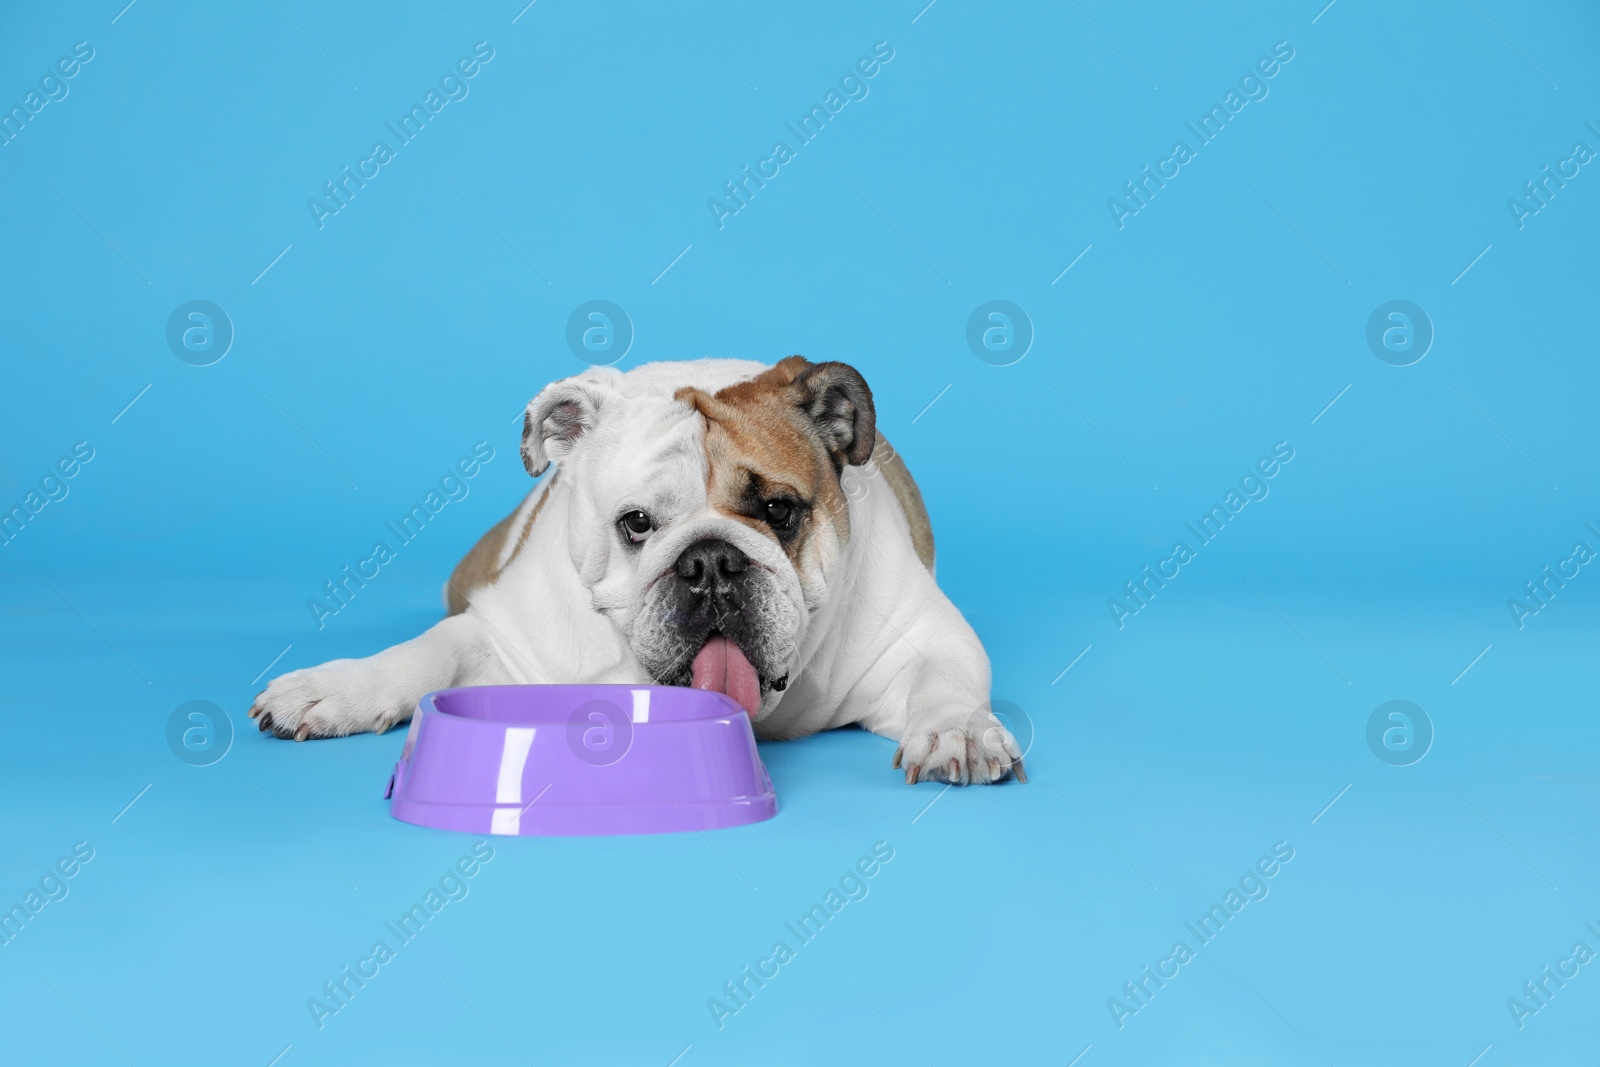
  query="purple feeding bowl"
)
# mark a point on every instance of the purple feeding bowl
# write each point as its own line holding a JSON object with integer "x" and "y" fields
{"x": 580, "y": 759}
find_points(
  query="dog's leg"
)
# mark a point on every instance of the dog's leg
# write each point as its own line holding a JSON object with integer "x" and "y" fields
{"x": 348, "y": 696}
{"x": 957, "y": 742}
{"x": 934, "y": 698}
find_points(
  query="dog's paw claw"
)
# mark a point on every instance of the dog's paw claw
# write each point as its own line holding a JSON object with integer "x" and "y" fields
{"x": 977, "y": 751}
{"x": 334, "y": 700}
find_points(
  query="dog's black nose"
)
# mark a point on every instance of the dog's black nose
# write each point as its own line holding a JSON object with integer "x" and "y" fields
{"x": 705, "y": 565}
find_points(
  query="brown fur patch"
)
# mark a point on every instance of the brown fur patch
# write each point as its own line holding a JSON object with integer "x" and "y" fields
{"x": 898, "y": 475}
{"x": 757, "y": 428}
{"x": 480, "y": 566}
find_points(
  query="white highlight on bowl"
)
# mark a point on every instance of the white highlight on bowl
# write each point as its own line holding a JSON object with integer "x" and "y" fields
{"x": 508, "y": 788}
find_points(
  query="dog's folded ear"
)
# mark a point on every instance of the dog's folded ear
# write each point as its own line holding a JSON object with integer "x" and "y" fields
{"x": 836, "y": 398}
{"x": 562, "y": 412}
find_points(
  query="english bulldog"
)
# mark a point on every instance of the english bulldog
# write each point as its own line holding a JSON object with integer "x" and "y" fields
{"x": 720, "y": 524}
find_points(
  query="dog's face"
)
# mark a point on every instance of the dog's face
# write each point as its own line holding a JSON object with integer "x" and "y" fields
{"x": 707, "y": 519}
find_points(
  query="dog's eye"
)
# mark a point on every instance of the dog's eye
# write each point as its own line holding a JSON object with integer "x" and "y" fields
{"x": 779, "y": 512}
{"x": 637, "y": 525}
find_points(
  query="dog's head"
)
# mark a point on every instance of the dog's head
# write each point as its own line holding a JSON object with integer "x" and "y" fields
{"x": 707, "y": 510}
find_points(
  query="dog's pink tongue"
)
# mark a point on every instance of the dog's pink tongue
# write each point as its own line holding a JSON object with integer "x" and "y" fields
{"x": 722, "y": 668}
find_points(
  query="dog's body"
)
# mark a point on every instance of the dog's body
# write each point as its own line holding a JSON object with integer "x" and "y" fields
{"x": 716, "y": 523}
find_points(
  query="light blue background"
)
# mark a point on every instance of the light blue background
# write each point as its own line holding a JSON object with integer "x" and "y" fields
{"x": 1223, "y": 318}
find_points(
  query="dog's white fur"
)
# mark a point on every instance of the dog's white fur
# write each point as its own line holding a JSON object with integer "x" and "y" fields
{"x": 869, "y": 638}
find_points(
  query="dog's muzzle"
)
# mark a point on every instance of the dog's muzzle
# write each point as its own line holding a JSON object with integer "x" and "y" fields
{"x": 713, "y": 607}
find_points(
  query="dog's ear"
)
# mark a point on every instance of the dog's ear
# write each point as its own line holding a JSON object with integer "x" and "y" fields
{"x": 562, "y": 412}
{"x": 838, "y": 402}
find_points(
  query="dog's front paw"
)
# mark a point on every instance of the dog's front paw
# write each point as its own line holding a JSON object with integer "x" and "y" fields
{"x": 974, "y": 751}
{"x": 339, "y": 698}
